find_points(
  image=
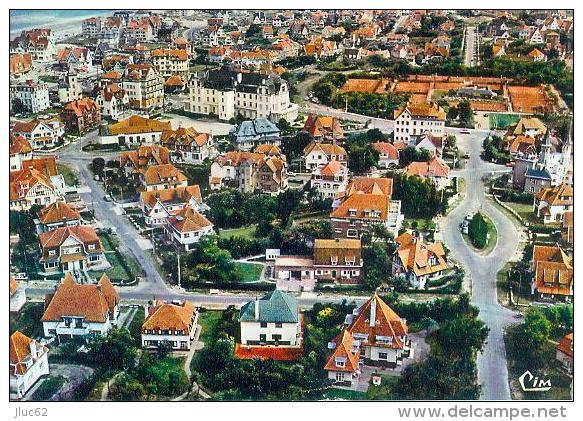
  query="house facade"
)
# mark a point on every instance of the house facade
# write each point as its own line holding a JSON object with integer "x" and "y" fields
{"x": 158, "y": 205}
{"x": 273, "y": 319}
{"x": 70, "y": 248}
{"x": 330, "y": 179}
{"x": 169, "y": 324}
{"x": 188, "y": 146}
{"x": 56, "y": 215}
{"x": 374, "y": 335}
{"x": 133, "y": 131}
{"x": 227, "y": 94}
{"x": 41, "y": 134}
{"x": 32, "y": 96}
{"x": 318, "y": 154}
{"x": 187, "y": 227}
{"x": 552, "y": 203}
{"x": 418, "y": 261}
{"x": 80, "y": 116}
{"x": 28, "y": 363}
{"x": 160, "y": 177}
{"x": 80, "y": 310}
{"x": 145, "y": 87}
{"x": 413, "y": 120}
{"x": 338, "y": 260}
{"x": 552, "y": 273}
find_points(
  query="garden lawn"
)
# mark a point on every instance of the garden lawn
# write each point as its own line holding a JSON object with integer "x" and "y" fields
{"x": 209, "y": 321}
{"x": 343, "y": 394}
{"x": 525, "y": 211}
{"x": 248, "y": 272}
{"x": 135, "y": 326}
{"x": 502, "y": 121}
{"x": 247, "y": 232}
{"x": 70, "y": 176}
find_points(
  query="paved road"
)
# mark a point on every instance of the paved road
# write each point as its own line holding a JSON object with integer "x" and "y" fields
{"x": 73, "y": 156}
{"x": 471, "y": 47}
{"x": 492, "y": 365}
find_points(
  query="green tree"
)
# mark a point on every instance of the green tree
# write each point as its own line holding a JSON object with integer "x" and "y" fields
{"x": 115, "y": 350}
{"x": 209, "y": 263}
{"x": 377, "y": 263}
{"x": 478, "y": 231}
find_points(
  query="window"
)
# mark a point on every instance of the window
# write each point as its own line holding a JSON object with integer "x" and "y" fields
{"x": 383, "y": 355}
{"x": 339, "y": 377}
{"x": 278, "y": 325}
{"x": 263, "y": 324}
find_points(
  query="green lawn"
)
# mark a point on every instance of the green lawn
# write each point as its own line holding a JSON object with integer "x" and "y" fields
{"x": 27, "y": 320}
{"x": 492, "y": 236}
{"x": 343, "y": 394}
{"x": 525, "y": 210}
{"x": 418, "y": 223}
{"x": 48, "y": 388}
{"x": 247, "y": 232}
{"x": 209, "y": 321}
{"x": 249, "y": 272}
{"x": 70, "y": 176}
{"x": 501, "y": 120}
{"x": 135, "y": 326}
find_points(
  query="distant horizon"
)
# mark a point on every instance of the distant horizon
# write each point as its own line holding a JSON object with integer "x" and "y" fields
{"x": 22, "y": 19}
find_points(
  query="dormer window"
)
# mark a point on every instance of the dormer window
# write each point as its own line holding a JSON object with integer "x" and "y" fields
{"x": 340, "y": 361}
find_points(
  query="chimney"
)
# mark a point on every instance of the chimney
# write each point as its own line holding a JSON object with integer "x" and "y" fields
{"x": 373, "y": 312}
{"x": 256, "y": 309}
{"x": 33, "y": 349}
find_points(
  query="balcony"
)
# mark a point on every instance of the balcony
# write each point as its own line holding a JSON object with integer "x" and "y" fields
{"x": 63, "y": 329}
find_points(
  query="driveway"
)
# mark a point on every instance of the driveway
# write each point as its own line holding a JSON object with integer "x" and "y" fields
{"x": 492, "y": 364}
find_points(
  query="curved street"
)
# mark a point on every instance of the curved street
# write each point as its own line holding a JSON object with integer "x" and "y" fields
{"x": 482, "y": 269}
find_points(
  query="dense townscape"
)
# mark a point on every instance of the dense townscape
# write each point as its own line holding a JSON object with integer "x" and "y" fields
{"x": 291, "y": 205}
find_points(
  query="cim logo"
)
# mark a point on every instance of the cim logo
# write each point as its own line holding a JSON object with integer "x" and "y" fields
{"x": 531, "y": 383}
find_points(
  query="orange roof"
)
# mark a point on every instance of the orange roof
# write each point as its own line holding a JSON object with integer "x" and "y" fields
{"x": 561, "y": 195}
{"x": 417, "y": 256}
{"x": 326, "y": 148}
{"x": 138, "y": 124}
{"x": 371, "y": 86}
{"x": 58, "y": 212}
{"x": 22, "y": 181}
{"x": 236, "y": 158}
{"x": 344, "y": 350}
{"x": 553, "y": 270}
{"x": 175, "y": 80}
{"x": 435, "y": 167}
{"x": 566, "y": 345}
{"x": 332, "y": 168}
{"x": 13, "y": 284}
{"x": 170, "y": 316}
{"x": 276, "y": 353}
{"x": 54, "y": 239}
{"x": 157, "y": 174}
{"x": 46, "y": 165}
{"x": 386, "y": 148}
{"x": 145, "y": 156}
{"x": 536, "y": 53}
{"x": 20, "y": 63}
{"x": 340, "y": 250}
{"x": 188, "y": 220}
{"x": 174, "y": 53}
{"x": 19, "y": 145}
{"x": 318, "y": 125}
{"x": 182, "y": 194}
{"x": 20, "y": 351}
{"x": 81, "y": 106}
{"x": 93, "y": 302}
{"x": 268, "y": 149}
{"x": 387, "y": 323}
{"x": 370, "y": 185}
{"x": 184, "y": 136}
{"x": 422, "y": 110}
{"x": 363, "y": 206}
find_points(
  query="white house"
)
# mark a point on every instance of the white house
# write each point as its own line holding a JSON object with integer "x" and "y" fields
{"x": 187, "y": 227}
{"x": 273, "y": 319}
{"x": 28, "y": 363}
{"x": 133, "y": 131}
{"x": 158, "y": 205}
{"x": 17, "y": 295}
{"x": 318, "y": 154}
{"x": 413, "y": 120}
{"x": 69, "y": 88}
{"x": 388, "y": 154}
{"x": 33, "y": 96}
{"x": 330, "y": 179}
{"x": 227, "y": 94}
{"x": 171, "y": 324}
{"x": 550, "y": 204}
{"x": 80, "y": 310}
{"x": 20, "y": 151}
{"x": 40, "y": 133}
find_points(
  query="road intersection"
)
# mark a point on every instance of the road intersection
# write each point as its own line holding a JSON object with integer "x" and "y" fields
{"x": 492, "y": 368}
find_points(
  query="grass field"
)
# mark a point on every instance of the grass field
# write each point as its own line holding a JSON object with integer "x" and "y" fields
{"x": 501, "y": 120}
{"x": 247, "y": 232}
{"x": 208, "y": 321}
{"x": 249, "y": 272}
{"x": 492, "y": 236}
{"x": 70, "y": 176}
